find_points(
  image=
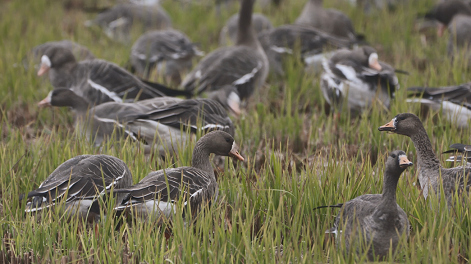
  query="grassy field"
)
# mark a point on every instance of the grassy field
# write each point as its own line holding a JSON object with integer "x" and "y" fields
{"x": 296, "y": 158}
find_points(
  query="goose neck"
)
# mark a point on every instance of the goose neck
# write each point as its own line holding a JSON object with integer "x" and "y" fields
{"x": 391, "y": 178}
{"x": 201, "y": 156}
{"x": 245, "y": 34}
{"x": 426, "y": 157}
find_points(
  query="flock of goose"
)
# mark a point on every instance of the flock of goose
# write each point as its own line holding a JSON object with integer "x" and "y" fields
{"x": 109, "y": 101}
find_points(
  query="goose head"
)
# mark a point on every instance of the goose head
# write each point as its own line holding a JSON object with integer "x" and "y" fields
{"x": 445, "y": 11}
{"x": 372, "y": 57}
{"x": 219, "y": 143}
{"x": 404, "y": 124}
{"x": 397, "y": 161}
{"x": 55, "y": 57}
{"x": 61, "y": 98}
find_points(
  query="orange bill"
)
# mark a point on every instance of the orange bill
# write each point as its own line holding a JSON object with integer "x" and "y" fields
{"x": 404, "y": 162}
{"x": 375, "y": 65}
{"x": 441, "y": 29}
{"x": 235, "y": 154}
{"x": 390, "y": 126}
{"x": 43, "y": 70}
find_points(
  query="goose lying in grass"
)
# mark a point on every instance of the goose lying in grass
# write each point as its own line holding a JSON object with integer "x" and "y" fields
{"x": 331, "y": 21}
{"x": 78, "y": 182}
{"x": 97, "y": 81}
{"x": 80, "y": 52}
{"x": 375, "y": 221}
{"x": 464, "y": 150}
{"x": 313, "y": 44}
{"x": 155, "y": 197}
{"x": 169, "y": 52}
{"x": 162, "y": 121}
{"x": 431, "y": 174}
{"x": 244, "y": 65}
{"x": 118, "y": 20}
{"x": 358, "y": 75}
{"x": 453, "y": 101}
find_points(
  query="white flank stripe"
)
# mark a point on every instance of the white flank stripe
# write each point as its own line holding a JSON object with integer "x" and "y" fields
{"x": 248, "y": 76}
{"x": 102, "y": 89}
{"x": 349, "y": 72}
{"x": 281, "y": 49}
{"x": 211, "y": 126}
{"x": 115, "y": 181}
{"x": 118, "y": 22}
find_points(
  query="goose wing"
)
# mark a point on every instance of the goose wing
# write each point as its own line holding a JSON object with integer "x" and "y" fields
{"x": 167, "y": 186}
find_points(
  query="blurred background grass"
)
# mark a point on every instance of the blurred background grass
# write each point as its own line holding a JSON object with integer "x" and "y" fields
{"x": 297, "y": 158}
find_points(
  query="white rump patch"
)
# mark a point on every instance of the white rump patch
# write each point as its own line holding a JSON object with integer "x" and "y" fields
{"x": 281, "y": 49}
{"x": 248, "y": 76}
{"x": 198, "y": 74}
{"x": 46, "y": 61}
{"x": 118, "y": 22}
{"x": 349, "y": 72}
{"x": 102, "y": 89}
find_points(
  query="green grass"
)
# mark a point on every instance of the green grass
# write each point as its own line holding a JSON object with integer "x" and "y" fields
{"x": 296, "y": 157}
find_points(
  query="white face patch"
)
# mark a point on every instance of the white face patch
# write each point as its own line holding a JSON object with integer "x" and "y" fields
{"x": 373, "y": 59}
{"x": 46, "y": 61}
{"x": 233, "y": 100}
{"x": 233, "y": 146}
{"x": 49, "y": 96}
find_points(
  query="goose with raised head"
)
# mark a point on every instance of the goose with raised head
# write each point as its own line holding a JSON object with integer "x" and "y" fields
{"x": 77, "y": 183}
{"x": 360, "y": 77}
{"x": 331, "y": 21}
{"x": 161, "y": 121}
{"x": 454, "y": 15}
{"x": 375, "y": 221}
{"x": 80, "y": 52}
{"x": 169, "y": 52}
{"x": 156, "y": 196}
{"x": 229, "y": 31}
{"x": 464, "y": 150}
{"x": 314, "y": 45}
{"x": 97, "y": 81}
{"x": 118, "y": 20}
{"x": 432, "y": 176}
{"x": 453, "y": 101}
{"x": 244, "y": 65}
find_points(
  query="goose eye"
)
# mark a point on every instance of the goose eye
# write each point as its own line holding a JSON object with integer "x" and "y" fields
{"x": 402, "y": 118}
{"x": 228, "y": 140}
{"x": 393, "y": 156}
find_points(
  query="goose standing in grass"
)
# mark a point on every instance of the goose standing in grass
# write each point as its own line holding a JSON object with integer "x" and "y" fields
{"x": 431, "y": 174}
{"x": 80, "y": 52}
{"x": 456, "y": 16}
{"x": 375, "y": 219}
{"x": 463, "y": 149}
{"x": 97, "y": 81}
{"x": 229, "y": 31}
{"x": 169, "y": 52}
{"x": 78, "y": 182}
{"x": 118, "y": 21}
{"x": 156, "y": 196}
{"x": 358, "y": 75}
{"x": 314, "y": 45}
{"x": 331, "y": 21}
{"x": 453, "y": 101}
{"x": 244, "y": 65}
{"x": 161, "y": 121}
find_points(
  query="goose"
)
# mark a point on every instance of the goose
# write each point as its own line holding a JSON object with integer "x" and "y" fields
{"x": 456, "y": 16}
{"x": 331, "y": 21}
{"x": 155, "y": 197}
{"x": 244, "y": 65}
{"x": 359, "y": 75}
{"x": 118, "y": 21}
{"x": 431, "y": 174}
{"x": 375, "y": 219}
{"x": 465, "y": 150}
{"x": 160, "y": 119}
{"x": 77, "y": 183}
{"x": 97, "y": 81}
{"x": 80, "y": 52}
{"x": 169, "y": 51}
{"x": 313, "y": 44}
{"x": 453, "y": 101}
{"x": 229, "y": 31}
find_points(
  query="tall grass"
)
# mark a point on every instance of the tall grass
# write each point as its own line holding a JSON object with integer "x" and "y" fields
{"x": 297, "y": 156}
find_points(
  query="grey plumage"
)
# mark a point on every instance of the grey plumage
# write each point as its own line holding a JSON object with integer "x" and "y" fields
{"x": 170, "y": 52}
{"x": 283, "y": 40}
{"x": 244, "y": 65}
{"x": 229, "y": 31}
{"x": 97, "y": 81}
{"x": 454, "y": 102}
{"x": 375, "y": 220}
{"x": 78, "y": 182}
{"x": 358, "y": 74}
{"x": 156, "y": 196}
{"x": 432, "y": 176}
{"x": 464, "y": 150}
{"x": 118, "y": 21}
